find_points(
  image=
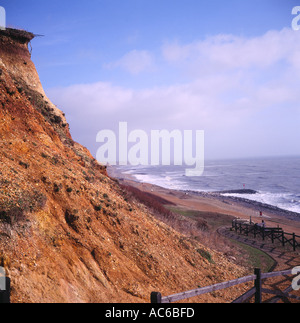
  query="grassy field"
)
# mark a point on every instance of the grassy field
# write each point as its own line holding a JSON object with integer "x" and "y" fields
{"x": 246, "y": 255}
{"x": 213, "y": 220}
{"x": 256, "y": 257}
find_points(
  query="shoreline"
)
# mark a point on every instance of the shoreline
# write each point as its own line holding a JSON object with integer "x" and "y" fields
{"x": 252, "y": 204}
{"x": 215, "y": 202}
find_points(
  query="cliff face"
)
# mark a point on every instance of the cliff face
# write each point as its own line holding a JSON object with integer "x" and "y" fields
{"x": 67, "y": 233}
{"x": 15, "y": 58}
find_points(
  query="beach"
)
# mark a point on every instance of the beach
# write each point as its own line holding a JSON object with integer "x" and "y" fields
{"x": 217, "y": 203}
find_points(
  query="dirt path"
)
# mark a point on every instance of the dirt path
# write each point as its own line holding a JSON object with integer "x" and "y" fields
{"x": 285, "y": 258}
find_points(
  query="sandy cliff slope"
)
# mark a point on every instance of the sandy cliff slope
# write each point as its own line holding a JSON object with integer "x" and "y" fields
{"x": 67, "y": 231}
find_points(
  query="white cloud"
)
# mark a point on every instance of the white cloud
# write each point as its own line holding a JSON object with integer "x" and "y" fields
{"x": 237, "y": 90}
{"x": 134, "y": 62}
{"x": 231, "y": 52}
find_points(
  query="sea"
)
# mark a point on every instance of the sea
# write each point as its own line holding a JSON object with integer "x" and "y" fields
{"x": 276, "y": 180}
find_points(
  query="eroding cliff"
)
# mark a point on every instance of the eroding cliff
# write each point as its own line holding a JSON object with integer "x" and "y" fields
{"x": 67, "y": 231}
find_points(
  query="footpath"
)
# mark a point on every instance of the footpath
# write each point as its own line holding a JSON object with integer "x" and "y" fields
{"x": 285, "y": 258}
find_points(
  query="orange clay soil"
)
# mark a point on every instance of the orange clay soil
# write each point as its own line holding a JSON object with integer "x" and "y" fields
{"x": 67, "y": 231}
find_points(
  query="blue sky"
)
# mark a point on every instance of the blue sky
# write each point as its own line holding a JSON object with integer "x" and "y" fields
{"x": 231, "y": 68}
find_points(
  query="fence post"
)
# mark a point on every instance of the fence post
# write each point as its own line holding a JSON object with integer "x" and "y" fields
{"x": 257, "y": 284}
{"x": 272, "y": 235}
{"x": 155, "y": 298}
{"x": 282, "y": 236}
{"x": 294, "y": 241}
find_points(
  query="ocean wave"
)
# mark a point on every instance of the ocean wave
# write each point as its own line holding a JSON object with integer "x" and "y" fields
{"x": 284, "y": 201}
{"x": 277, "y": 186}
{"x": 165, "y": 182}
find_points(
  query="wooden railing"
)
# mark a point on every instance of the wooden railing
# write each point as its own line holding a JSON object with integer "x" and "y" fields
{"x": 274, "y": 234}
{"x": 256, "y": 291}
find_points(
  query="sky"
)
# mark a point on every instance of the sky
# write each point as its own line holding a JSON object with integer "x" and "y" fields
{"x": 230, "y": 68}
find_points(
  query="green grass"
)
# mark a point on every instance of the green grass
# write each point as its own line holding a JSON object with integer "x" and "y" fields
{"x": 256, "y": 258}
{"x": 205, "y": 254}
{"x": 214, "y": 220}
{"x": 252, "y": 257}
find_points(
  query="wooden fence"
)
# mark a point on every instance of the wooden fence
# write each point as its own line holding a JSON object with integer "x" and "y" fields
{"x": 256, "y": 291}
{"x": 273, "y": 234}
